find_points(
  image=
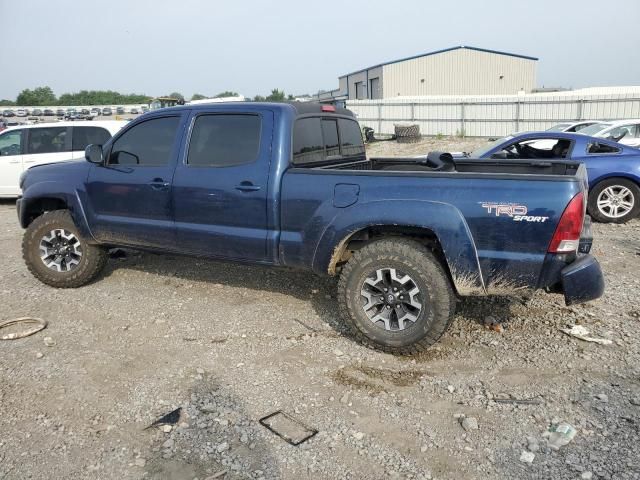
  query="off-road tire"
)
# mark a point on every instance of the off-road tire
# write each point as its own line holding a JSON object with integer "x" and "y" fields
{"x": 415, "y": 259}
{"x": 91, "y": 263}
{"x": 592, "y": 204}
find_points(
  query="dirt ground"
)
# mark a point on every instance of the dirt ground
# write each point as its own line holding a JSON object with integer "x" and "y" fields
{"x": 230, "y": 344}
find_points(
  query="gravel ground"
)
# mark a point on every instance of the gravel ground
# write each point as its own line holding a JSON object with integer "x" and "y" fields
{"x": 230, "y": 344}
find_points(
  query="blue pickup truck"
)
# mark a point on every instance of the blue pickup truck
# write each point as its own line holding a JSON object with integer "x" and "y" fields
{"x": 290, "y": 185}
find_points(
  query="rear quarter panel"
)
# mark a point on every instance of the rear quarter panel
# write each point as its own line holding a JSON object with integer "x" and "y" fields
{"x": 486, "y": 252}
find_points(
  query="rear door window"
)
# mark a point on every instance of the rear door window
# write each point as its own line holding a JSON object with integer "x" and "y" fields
{"x": 317, "y": 139}
{"x": 47, "y": 140}
{"x": 83, "y": 136}
{"x": 224, "y": 140}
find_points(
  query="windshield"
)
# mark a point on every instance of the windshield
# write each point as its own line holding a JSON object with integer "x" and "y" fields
{"x": 593, "y": 129}
{"x": 478, "y": 153}
{"x": 561, "y": 127}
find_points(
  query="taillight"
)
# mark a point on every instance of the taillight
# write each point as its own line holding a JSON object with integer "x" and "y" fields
{"x": 567, "y": 235}
{"x": 328, "y": 108}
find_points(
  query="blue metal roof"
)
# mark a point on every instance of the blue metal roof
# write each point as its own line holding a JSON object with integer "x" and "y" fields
{"x": 497, "y": 52}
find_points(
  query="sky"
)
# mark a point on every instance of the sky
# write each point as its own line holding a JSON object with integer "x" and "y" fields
{"x": 157, "y": 47}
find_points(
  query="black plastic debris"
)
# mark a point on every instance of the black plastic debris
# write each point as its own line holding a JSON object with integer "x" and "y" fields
{"x": 290, "y": 429}
{"x": 170, "y": 418}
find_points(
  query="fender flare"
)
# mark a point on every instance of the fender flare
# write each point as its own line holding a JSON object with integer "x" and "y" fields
{"x": 444, "y": 220}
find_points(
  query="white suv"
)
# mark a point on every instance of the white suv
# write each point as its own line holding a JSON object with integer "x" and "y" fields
{"x": 28, "y": 145}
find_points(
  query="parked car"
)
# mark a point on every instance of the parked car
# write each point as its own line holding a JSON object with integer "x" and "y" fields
{"x": 48, "y": 112}
{"x": 95, "y": 111}
{"x": 134, "y": 111}
{"x": 120, "y": 111}
{"x": 106, "y": 111}
{"x": 8, "y": 113}
{"x": 24, "y": 146}
{"x": 626, "y": 132}
{"x": 572, "y": 126}
{"x": 144, "y": 109}
{"x": 613, "y": 169}
{"x": 21, "y": 112}
{"x": 60, "y": 112}
{"x": 37, "y": 112}
{"x": 290, "y": 185}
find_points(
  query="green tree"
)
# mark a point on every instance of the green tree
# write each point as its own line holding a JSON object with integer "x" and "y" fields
{"x": 259, "y": 98}
{"x": 177, "y": 95}
{"x": 276, "y": 96}
{"x": 227, "y": 93}
{"x": 198, "y": 96}
{"x": 6, "y": 103}
{"x": 40, "y": 96}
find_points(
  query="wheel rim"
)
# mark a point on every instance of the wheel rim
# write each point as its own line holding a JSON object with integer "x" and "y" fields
{"x": 60, "y": 250}
{"x": 615, "y": 201}
{"x": 391, "y": 299}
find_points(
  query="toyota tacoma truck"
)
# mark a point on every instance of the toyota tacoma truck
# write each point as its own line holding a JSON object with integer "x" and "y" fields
{"x": 290, "y": 185}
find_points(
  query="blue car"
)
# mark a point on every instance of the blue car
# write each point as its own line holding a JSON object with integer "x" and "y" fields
{"x": 613, "y": 168}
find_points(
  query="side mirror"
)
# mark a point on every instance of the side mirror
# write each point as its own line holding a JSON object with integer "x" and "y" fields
{"x": 93, "y": 154}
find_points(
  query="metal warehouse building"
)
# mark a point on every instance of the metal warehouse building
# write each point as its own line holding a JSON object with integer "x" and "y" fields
{"x": 452, "y": 71}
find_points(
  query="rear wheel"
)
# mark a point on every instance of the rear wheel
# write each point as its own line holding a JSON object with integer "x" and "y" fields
{"x": 615, "y": 200}
{"x": 396, "y": 295}
{"x": 57, "y": 255}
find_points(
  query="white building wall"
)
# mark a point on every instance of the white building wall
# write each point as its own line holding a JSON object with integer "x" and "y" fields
{"x": 459, "y": 72}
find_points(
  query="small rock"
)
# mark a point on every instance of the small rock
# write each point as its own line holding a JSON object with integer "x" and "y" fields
{"x": 358, "y": 435}
{"x": 423, "y": 448}
{"x": 140, "y": 462}
{"x": 451, "y": 388}
{"x": 223, "y": 447}
{"x": 166, "y": 428}
{"x": 635, "y": 401}
{"x": 39, "y": 355}
{"x": 586, "y": 475}
{"x": 338, "y": 353}
{"x": 168, "y": 443}
{"x": 602, "y": 397}
{"x": 345, "y": 398}
{"x": 532, "y": 444}
{"x": 527, "y": 457}
{"x": 200, "y": 371}
{"x": 469, "y": 423}
{"x": 49, "y": 342}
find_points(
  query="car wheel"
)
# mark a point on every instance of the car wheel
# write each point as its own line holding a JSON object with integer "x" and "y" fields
{"x": 57, "y": 255}
{"x": 615, "y": 200}
{"x": 395, "y": 295}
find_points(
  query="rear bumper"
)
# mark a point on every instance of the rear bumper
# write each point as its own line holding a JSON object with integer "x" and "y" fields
{"x": 582, "y": 280}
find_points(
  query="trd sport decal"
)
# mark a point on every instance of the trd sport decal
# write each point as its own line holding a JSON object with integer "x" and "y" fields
{"x": 517, "y": 212}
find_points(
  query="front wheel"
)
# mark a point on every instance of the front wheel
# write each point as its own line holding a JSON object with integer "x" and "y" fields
{"x": 57, "y": 255}
{"x": 396, "y": 295}
{"x": 615, "y": 200}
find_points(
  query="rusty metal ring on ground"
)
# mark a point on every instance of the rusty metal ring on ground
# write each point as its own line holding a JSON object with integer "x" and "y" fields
{"x": 40, "y": 325}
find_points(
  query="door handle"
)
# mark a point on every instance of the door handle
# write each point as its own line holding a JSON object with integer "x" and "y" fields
{"x": 159, "y": 184}
{"x": 247, "y": 187}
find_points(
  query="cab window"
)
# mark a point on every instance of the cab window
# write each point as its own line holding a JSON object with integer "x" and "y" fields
{"x": 147, "y": 144}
